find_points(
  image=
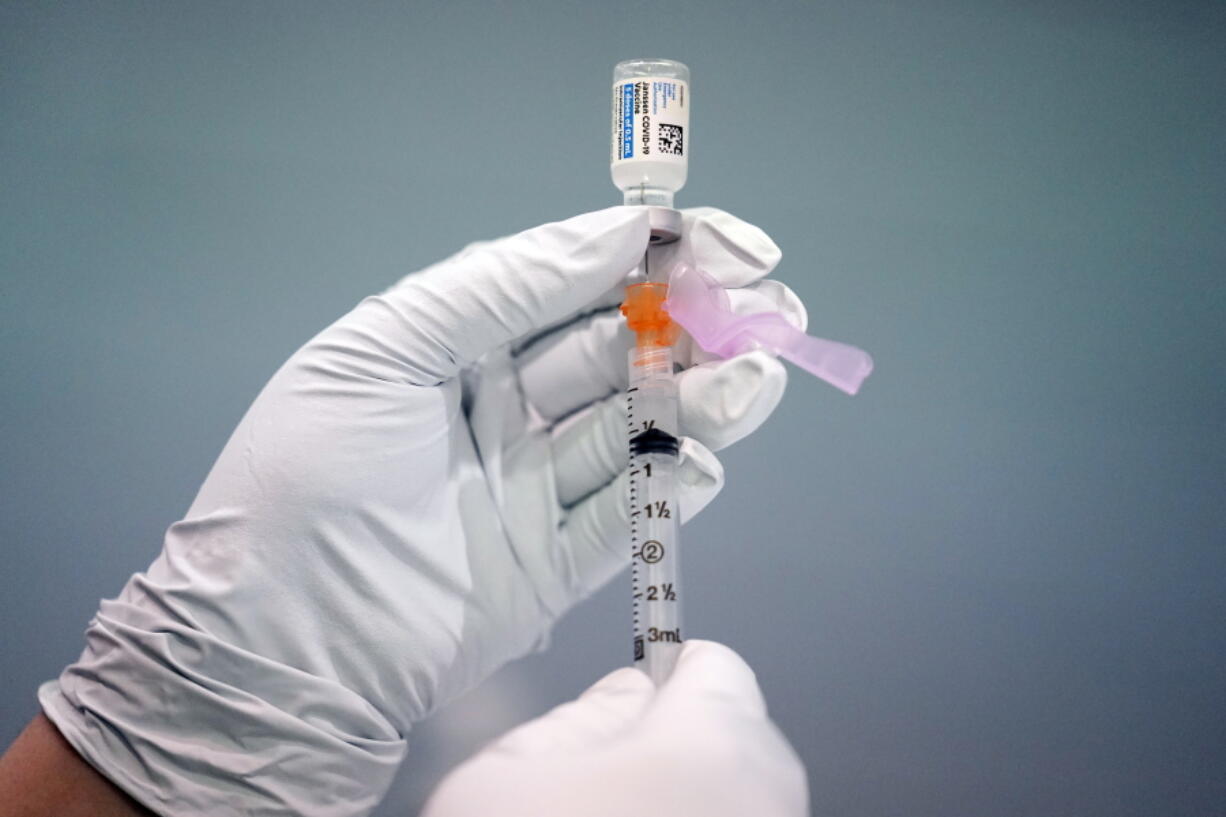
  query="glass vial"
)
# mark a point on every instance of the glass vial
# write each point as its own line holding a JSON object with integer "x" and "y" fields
{"x": 651, "y": 130}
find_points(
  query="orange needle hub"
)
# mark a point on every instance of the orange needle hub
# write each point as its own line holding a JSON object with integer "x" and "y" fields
{"x": 647, "y": 317}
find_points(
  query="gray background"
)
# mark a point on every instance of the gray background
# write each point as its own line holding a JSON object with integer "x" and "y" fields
{"x": 991, "y": 584}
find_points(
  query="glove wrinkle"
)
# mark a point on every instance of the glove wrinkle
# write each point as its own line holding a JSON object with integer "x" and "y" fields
{"x": 172, "y": 716}
{"x": 525, "y": 345}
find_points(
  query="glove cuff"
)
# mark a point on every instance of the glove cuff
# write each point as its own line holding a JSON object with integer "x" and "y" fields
{"x": 151, "y": 706}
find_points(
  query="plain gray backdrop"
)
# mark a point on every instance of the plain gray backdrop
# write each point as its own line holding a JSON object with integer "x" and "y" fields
{"x": 990, "y": 584}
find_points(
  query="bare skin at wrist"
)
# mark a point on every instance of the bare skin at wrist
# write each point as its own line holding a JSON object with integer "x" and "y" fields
{"x": 41, "y": 774}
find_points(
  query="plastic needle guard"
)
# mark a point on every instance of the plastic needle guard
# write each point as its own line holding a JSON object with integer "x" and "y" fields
{"x": 701, "y": 305}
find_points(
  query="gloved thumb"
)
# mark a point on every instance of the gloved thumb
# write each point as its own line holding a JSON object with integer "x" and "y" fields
{"x": 437, "y": 321}
{"x": 709, "y": 675}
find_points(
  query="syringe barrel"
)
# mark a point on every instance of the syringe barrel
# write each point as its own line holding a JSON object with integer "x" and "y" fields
{"x": 658, "y": 622}
{"x": 654, "y": 509}
{"x": 650, "y": 130}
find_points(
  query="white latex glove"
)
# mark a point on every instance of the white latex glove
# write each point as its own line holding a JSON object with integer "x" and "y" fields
{"x": 702, "y": 747}
{"x": 399, "y": 513}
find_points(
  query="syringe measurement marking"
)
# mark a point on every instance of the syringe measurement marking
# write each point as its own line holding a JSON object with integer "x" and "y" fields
{"x": 637, "y": 647}
{"x": 663, "y": 592}
{"x": 651, "y": 551}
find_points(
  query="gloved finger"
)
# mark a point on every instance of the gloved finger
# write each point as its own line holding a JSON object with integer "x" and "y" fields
{"x": 762, "y": 296}
{"x": 718, "y": 404}
{"x": 732, "y": 251}
{"x": 779, "y": 297}
{"x": 605, "y": 709}
{"x": 609, "y": 299}
{"x": 435, "y": 322}
{"x": 713, "y": 699}
{"x": 708, "y": 675}
{"x": 724, "y": 401}
{"x": 605, "y": 303}
{"x": 574, "y": 367}
{"x": 590, "y": 449}
{"x": 597, "y": 530}
{"x": 587, "y": 360}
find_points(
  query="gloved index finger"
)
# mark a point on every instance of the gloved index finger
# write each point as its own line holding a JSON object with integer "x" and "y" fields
{"x": 607, "y": 708}
{"x": 443, "y": 318}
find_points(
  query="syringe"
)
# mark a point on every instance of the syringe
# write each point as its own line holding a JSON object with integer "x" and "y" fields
{"x": 649, "y": 161}
{"x": 654, "y": 512}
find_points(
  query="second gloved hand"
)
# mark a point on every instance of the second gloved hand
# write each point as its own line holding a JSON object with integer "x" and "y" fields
{"x": 702, "y": 746}
{"x": 412, "y": 501}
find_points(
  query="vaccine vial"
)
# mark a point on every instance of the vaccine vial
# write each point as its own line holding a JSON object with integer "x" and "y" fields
{"x": 651, "y": 130}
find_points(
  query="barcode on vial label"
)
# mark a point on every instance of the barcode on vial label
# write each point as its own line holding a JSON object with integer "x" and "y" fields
{"x": 672, "y": 140}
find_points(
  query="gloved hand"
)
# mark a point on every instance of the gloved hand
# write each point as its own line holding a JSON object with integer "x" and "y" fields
{"x": 702, "y": 747}
{"x": 412, "y": 501}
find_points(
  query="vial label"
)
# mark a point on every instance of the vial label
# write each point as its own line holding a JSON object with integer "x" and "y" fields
{"x": 650, "y": 118}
